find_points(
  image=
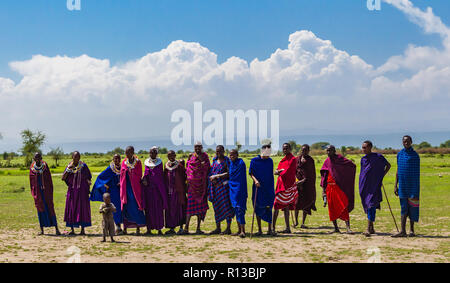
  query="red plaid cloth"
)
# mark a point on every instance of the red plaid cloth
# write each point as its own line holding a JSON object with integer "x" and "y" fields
{"x": 287, "y": 198}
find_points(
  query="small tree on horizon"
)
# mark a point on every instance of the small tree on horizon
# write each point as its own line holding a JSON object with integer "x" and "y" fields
{"x": 56, "y": 154}
{"x": 319, "y": 145}
{"x": 422, "y": 145}
{"x": 343, "y": 150}
{"x": 32, "y": 143}
{"x": 446, "y": 144}
{"x": 118, "y": 150}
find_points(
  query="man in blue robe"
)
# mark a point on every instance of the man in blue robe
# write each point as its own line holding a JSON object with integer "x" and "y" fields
{"x": 109, "y": 182}
{"x": 407, "y": 185}
{"x": 373, "y": 169}
{"x": 261, "y": 172}
{"x": 238, "y": 189}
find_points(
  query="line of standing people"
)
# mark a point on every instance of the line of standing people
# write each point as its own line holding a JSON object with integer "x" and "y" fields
{"x": 167, "y": 196}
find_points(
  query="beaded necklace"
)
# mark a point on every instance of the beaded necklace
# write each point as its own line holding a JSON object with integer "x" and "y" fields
{"x": 38, "y": 169}
{"x": 75, "y": 169}
{"x": 131, "y": 165}
{"x": 172, "y": 165}
{"x": 113, "y": 167}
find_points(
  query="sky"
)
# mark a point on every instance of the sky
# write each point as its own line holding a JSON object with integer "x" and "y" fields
{"x": 117, "y": 69}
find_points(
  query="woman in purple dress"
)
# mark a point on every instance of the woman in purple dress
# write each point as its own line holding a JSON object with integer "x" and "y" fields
{"x": 78, "y": 208}
{"x": 155, "y": 192}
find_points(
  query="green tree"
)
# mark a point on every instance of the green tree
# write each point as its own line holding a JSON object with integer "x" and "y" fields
{"x": 56, "y": 154}
{"x": 117, "y": 150}
{"x": 32, "y": 143}
{"x": 8, "y": 157}
{"x": 294, "y": 146}
{"x": 446, "y": 144}
{"x": 423, "y": 145}
{"x": 343, "y": 150}
{"x": 319, "y": 145}
{"x": 163, "y": 150}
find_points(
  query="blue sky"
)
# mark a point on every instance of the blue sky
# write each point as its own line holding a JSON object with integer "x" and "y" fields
{"x": 329, "y": 67}
{"x": 122, "y": 30}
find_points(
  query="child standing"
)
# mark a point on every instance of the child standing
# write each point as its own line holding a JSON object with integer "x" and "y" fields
{"x": 107, "y": 209}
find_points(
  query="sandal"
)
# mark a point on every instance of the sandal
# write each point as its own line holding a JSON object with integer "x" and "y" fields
{"x": 199, "y": 232}
{"x": 215, "y": 232}
{"x": 399, "y": 235}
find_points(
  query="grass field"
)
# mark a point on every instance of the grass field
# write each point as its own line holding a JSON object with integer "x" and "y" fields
{"x": 19, "y": 240}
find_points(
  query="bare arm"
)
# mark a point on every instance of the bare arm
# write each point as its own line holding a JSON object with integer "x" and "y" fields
{"x": 66, "y": 172}
{"x": 223, "y": 175}
{"x": 255, "y": 181}
{"x": 301, "y": 181}
{"x": 387, "y": 168}
{"x": 65, "y": 175}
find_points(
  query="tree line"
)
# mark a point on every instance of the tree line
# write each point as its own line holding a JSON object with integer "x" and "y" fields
{"x": 33, "y": 141}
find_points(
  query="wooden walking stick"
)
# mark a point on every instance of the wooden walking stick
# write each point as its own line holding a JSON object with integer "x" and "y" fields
{"x": 387, "y": 200}
{"x": 254, "y": 204}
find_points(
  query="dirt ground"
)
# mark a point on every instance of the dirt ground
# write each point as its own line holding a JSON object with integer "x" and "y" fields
{"x": 304, "y": 245}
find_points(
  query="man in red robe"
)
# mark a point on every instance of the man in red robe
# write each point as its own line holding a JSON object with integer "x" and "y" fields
{"x": 338, "y": 183}
{"x": 286, "y": 192}
{"x": 197, "y": 169}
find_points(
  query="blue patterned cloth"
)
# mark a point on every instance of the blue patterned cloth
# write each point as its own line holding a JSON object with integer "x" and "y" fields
{"x": 408, "y": 162}
{"x": 410, "y": 208}
{"x": 219, "y": 192}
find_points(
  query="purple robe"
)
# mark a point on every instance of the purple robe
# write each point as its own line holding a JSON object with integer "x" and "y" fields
{"x": 370, "y": 180}
{"x": 155, "y": 197}
{"x": 343, "y": 172}
{"x": 175, "y": 179}
{"x": 78, "y": 206}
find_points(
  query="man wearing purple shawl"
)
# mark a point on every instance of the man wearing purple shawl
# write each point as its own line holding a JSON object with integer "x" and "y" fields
{"x": 155, "y": 192}
{"x": 338, "y": 183}
{"x": 373, "y": 169}
{"x": 197, "y": 169}
{"x": 78, "y": 208}
{"x": 175, "y": 179}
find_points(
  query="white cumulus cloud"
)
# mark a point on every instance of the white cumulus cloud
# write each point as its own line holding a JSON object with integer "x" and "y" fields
{"x": 311, "y": 82}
